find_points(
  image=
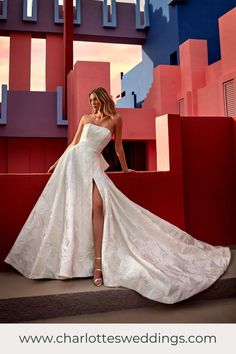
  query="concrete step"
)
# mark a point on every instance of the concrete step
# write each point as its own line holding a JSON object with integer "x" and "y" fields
{"x": 23, "y": 299}
{"x": 202, "y": 311}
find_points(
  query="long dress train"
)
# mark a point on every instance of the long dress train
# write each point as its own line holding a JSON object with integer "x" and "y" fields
{"x": 140, "y": 250}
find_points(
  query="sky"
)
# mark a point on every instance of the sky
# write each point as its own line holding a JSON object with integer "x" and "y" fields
{"x": 121, "y": 56}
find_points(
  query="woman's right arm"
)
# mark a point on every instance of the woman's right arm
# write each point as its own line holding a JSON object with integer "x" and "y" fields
{"x": 77, "y": 136}
{"x": 119, "y": 146}
{"x": 75, "y": 141}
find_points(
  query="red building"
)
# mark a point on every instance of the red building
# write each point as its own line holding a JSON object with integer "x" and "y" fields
{"x": 190, "y": 159}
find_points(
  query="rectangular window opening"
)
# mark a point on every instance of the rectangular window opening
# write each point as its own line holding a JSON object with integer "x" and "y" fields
{"x": 174, "y": 58}
{"x": 229, "y": 98}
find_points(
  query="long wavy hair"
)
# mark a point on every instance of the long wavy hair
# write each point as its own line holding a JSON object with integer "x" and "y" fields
{"x": 107, "y": 107}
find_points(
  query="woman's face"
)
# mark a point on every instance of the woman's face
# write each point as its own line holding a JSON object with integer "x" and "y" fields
{"x": 94, "y": 102}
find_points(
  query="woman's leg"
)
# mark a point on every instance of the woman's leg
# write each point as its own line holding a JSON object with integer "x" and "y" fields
{"x": 98, "y": 219}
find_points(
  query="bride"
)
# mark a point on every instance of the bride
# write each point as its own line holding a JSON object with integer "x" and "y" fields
{"x": 82, "y": 225}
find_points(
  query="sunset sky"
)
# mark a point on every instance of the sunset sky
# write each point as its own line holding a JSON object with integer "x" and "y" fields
{"x": 121, "y": 56}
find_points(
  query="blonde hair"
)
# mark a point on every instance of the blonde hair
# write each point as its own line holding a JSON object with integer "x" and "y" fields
{"x": 107, "y": 104}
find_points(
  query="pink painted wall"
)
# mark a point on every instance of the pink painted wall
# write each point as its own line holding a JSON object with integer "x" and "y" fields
{"x": 227, "y": 27}
{"x": 194, "y": 60}
{"x": 162, "y": 95}
{"x": 81, "y": 80}
{"x": 138, "y": 124}
{"x": 200, "y": 85}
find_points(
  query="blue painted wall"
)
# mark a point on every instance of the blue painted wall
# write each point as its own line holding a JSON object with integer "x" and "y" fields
{"x": 163, "y": 35}
{"x": 127, "y": 101}
{"x": 137, "y": 80}
{"x": 198, "y": 19}
{"x": 170, "y": 26}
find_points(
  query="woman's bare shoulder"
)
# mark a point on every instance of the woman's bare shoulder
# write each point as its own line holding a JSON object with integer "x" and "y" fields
{"x": 86, "y": 118}
{"x": 117, "y": 117}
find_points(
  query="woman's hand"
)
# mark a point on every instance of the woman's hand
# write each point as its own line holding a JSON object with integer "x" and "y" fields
{"x": 129, "y": 170}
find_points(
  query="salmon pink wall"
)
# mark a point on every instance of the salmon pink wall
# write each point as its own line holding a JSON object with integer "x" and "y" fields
{"x": 138, "y": 124}
{"x": 162, "y": 95}
{"x": 198, "y": 84}
{"x": 81, "y": 80}
{"x": 227, "y": 27}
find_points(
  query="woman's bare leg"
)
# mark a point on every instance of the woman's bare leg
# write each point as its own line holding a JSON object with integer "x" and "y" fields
{"x": 98, "y": 220}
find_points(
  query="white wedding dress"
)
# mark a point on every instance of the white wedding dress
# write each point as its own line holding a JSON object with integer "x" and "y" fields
{"x": 140, "y": 250}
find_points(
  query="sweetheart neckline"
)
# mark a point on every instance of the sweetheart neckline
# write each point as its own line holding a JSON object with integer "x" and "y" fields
{"x": 100, "y": 126}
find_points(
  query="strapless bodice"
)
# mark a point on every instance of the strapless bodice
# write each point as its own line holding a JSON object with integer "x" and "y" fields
{"x": 95, "y": 137}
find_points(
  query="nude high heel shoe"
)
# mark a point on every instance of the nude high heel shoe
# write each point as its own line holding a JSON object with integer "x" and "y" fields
{"x": 97, "y": 281}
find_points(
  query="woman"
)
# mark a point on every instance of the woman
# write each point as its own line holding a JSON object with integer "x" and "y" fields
{"x": 82, "y": 225}
{"x": 103, "y": 114}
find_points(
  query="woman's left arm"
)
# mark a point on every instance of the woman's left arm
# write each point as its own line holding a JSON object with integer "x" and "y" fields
{"x": 119, "y": 146}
